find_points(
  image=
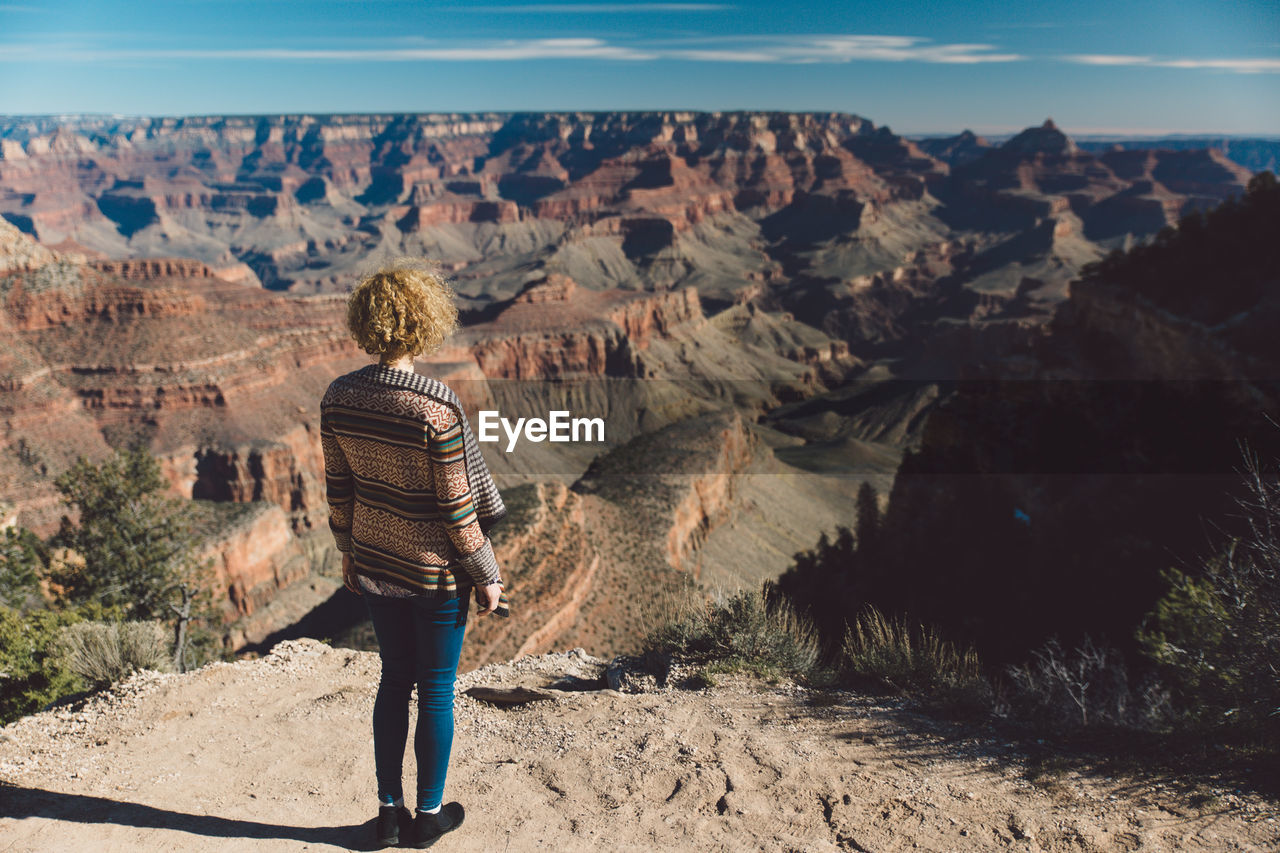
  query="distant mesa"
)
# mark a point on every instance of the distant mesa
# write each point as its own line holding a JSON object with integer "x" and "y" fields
{"x": 1045, "y": 139}
{"x": 961, "y": 148}
{"x": 554, "y": 288}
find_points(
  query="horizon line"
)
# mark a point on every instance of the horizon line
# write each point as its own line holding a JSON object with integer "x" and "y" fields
{"x": 992, "y": 131}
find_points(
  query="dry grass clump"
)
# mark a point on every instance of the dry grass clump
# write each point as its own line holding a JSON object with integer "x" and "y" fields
{"x": 741, "y": 633}
{"x": 882, "y": 653}
{"x": 103, "y": 653}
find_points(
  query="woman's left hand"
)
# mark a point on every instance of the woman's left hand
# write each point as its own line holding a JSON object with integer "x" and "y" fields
{"x": 349, "y": 574}
{"x": 488, "y": 597}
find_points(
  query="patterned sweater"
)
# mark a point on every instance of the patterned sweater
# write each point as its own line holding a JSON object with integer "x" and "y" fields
{"x": 410, "y": 497}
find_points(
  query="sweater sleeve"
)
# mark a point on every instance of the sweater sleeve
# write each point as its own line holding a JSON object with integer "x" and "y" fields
{"x": 339, "y": 485}
{"x": 453, "y": 494}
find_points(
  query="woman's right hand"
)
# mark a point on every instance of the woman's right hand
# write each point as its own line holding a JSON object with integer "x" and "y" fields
{"x": 487, "y": 597}
{"x": 349, "y": 574}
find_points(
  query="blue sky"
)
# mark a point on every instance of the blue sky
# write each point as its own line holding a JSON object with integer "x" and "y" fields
{"x": 1093, "y": 66}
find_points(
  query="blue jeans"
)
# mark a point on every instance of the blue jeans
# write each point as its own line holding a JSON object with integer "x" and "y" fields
{"x": 420, "y": 640}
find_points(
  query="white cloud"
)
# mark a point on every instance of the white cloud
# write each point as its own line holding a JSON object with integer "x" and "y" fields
{"x": 721, "y": 55}
{"x": 781, "y": 49}
{"x": 845, "y": 48}
{"x": 801, "y": 49}
{"x": 1243, "y": 66}
{"x": 505, "y": 49}
{"x": 1240, "y": 66}
{"x": 1106, "y": 59}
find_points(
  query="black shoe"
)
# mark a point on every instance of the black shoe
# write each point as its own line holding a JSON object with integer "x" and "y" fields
{"x": 392, "y": 821}
{"x": 427, "y": 828}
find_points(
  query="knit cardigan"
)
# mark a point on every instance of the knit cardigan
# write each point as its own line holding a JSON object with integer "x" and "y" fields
{"x": 410, "y": 497}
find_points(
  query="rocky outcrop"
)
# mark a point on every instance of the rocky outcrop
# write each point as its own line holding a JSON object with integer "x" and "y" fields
{"x": 783, "y": 250}
{"x": 221, "y": 381}
{"x": 551, "y": 564}
{"x": 1119, "y": 428}
{"x": 32, "y": 311}
{"x": 106, "y": 352}
{"x": 1040, "y": 171}
{"x": 592, "y": 563}
{"x": 148, "y": 269}
{"x": 1045, "y": 139}
{"x": 553, "y": 328}
{"x": 282, "y": 471}
{"x": 1143, "y": 342}
{"x": 419, "y": 217}
{"x": 19, "y": 253}
{"x": 958, "y": 149}
{"x": 553, "y": 288}
{"x": 678, "y": 482}
{"x": 658, "y": 316}
{"x": 710, "y": 494}
{"x": 253, "y": 558}
{"x": 701, "y": 499}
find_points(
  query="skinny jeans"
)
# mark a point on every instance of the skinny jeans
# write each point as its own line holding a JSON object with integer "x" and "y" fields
{"x": 419, "y": 641}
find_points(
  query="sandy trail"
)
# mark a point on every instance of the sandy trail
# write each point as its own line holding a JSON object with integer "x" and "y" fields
{"x": 276, "y": 754}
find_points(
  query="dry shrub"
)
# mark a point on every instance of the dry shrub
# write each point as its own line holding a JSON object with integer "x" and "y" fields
{"x": 914, "y": 661}
{"x": 742, "y": 631}
{"x": 103, "y": 653}
{"x": 1086, "y": 688}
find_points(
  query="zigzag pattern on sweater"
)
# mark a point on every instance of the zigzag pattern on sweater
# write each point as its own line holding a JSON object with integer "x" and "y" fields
{"x": 410, "y": 495}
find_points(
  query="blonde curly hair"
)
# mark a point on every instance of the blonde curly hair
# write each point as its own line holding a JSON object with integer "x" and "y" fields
{"x": 405, "y": 307}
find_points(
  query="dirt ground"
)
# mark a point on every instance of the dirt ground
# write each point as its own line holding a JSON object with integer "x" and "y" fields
{"x": 276, "y": 754}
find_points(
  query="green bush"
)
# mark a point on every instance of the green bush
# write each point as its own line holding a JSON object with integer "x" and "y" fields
{"x": 1216, "y": 638}
{"x": 136, "y": 549}
{"x": 136, "y": 544}
{"x": 32, "y": 672}
{"x": 103, "y": 653}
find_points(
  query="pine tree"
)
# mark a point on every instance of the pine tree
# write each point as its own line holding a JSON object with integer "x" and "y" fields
{"x": 138, "y": 546}
{"x": 868, "y": 523}
{"x": 22, "y": 561}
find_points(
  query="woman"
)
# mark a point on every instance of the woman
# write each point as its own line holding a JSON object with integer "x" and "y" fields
{"x": 411, "y": 503}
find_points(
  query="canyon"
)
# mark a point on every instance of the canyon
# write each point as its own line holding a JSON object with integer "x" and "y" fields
{"x": 759, "y": 305}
